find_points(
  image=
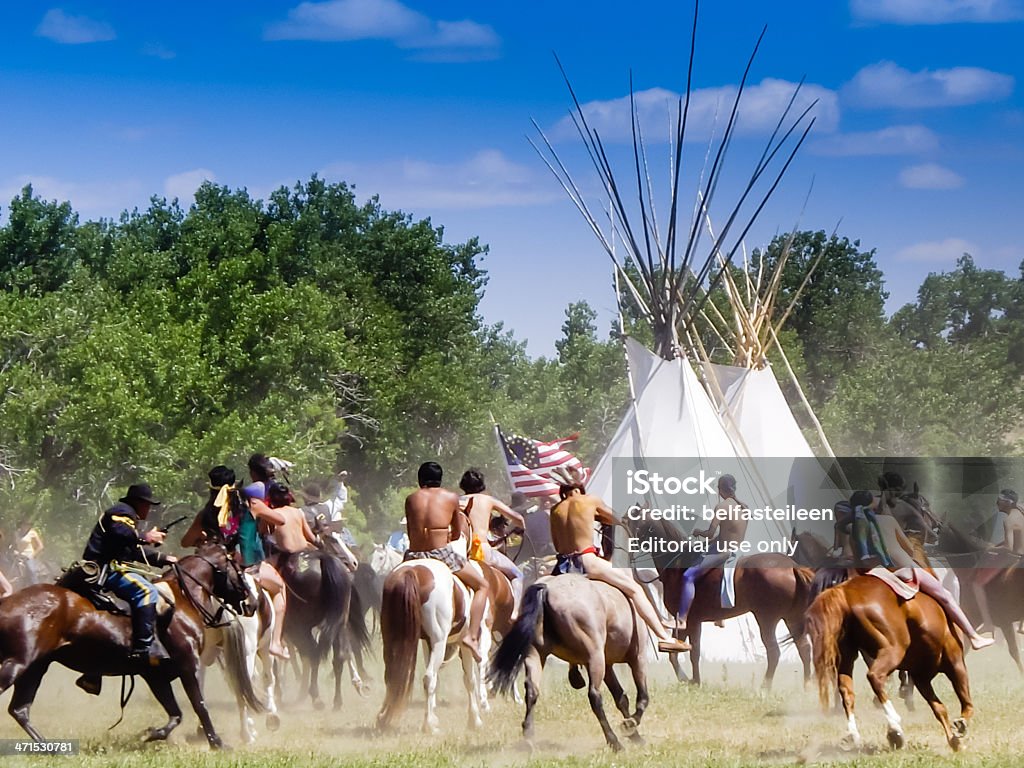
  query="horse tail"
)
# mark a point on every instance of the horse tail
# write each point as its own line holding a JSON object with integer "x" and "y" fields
{"x": 356, "y": 624}
{"x": 511, "y": 654}
{"x": 236, "y": 666}
{"x": 400, "y": 627}
{"x": 804, "y": 585}
{"x": 336, "y": 595}
{"x": 825, "y": 620}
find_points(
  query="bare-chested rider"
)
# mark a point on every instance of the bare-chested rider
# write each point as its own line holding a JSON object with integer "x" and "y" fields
{"x": 572, "y": 533}
{"x": 479, "y": 508}
{"x": 434, "y": 520}
{"x": 1006, "y": 555}
{"x": 722, "y": 535}
{"x": 293, "y": 535}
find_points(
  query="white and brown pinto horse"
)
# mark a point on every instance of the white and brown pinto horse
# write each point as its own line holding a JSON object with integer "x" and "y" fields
{"x": 423, "y": 600}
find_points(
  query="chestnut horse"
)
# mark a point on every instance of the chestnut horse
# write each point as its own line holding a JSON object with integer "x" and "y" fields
{"x": 586, "y": 623}
{"x": 46, "y": 623}
{"x": 772, "y": 587}
{"x": 865, "y": 615}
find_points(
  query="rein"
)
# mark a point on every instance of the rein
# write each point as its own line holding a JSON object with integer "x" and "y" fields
{"x": 211, "y": 619}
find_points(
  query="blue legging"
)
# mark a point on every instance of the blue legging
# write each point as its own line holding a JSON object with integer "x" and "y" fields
{"x": 690, "y": 576}
{"x": 142, "y": 597}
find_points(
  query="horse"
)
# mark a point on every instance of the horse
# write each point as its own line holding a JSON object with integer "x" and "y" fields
{"x": 423, "y": 600}
{"x": 246, "y": 647}
{"x": 864, "y": 615}
{"x": 772, "y": 587}
{"x": 47, "y": 623}
{"x": 321, "y": 599}
{"x": 586, "y": 623}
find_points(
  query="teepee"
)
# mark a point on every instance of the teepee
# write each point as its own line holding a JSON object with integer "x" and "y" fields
{"x": 668, "y": 275}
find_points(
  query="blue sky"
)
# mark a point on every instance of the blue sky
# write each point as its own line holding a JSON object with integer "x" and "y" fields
{"x": 918, "y": 149}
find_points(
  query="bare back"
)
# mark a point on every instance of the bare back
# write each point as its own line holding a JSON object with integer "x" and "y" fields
{"x": 294, "y": 535}
{"x": 572, "y": 522}
{"x": 729, "y": 530}
{"x": 1013, "y": 529}
{"x": 431, "y": 515}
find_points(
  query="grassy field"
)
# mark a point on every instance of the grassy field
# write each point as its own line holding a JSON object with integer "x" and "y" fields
{"x": 727, "y": 722}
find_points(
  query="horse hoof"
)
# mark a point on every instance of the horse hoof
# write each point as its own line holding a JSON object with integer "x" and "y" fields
{"x": 273, "y": 722}
{"x": 960, "y": 728}
{"x": 318, "y": 705}
{"x": 956, "y": 744}
{"x": 363, "y": 690}
{"x": 154, "y": 734}
{"x": 849, "y": 743}
{"x": 576, "y": 678}
{"x": 525, "y": 746}
{"x": 895, "y": 739}
{"x": 629, "y": 725}
{"x": 337, "y": 705}
{"x": 636, "y": 738}
{"x": 616, "y": 745}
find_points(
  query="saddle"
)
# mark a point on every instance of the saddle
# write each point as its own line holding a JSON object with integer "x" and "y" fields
{"x": 905, "y": 590}
{"x": 83, "y": 578}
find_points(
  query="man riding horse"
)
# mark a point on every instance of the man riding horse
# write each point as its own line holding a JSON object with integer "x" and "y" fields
{"x": 572, "y": 532}
{"x": 433, "y": 520}
{"x": 116, "y": 543}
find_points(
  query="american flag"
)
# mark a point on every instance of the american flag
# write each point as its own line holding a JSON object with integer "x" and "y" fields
{"x": 530, "y": 463}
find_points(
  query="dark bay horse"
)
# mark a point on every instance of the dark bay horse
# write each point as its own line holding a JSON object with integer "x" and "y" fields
{"x": 772, "y": 587}
{"x": 47, "y": 623}
{"x": 586, "y": 623}
{"x": 865, "y": 615}
{"x": 324, "y": 615}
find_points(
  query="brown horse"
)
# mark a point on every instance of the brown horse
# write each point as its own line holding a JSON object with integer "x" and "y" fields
{"x": 772, "y": 587}
{"x": 863, "y": 614}
{"x": 46, "y": 623}
{"x": 586, "y": 623}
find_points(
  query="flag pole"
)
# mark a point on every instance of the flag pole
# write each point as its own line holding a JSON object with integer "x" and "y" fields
{"x": 504, "y": 454}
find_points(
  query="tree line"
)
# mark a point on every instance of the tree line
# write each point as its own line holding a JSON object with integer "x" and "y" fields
{"x": 340, "y": 335}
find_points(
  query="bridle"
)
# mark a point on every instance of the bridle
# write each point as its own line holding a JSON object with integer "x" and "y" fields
{"x": 214, "y": 618}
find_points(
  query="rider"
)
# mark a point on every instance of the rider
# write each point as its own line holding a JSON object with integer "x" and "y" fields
{"x": 916, "y": 522}
{"x": 293, "y": 535}
{"x": 27, "y": 546}
{"x": 479, "y": 508}
{"x": 5, "y": 586}
{"x": 899, "y": 552}
{"x": 572, "y": 533}
{"x": 723, "y": 535}
{"x": 116, "y": 543}
{"x": 434, "y": 521}
{"x": 997, "y": 559}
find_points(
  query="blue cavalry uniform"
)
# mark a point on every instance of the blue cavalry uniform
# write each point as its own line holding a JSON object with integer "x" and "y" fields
{"x": 116, "y": 543}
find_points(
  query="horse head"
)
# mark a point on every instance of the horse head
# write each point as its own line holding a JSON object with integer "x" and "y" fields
{"x": 217, "y": 572}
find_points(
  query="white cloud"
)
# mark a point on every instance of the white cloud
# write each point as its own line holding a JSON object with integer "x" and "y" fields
{"x": 936, "y": 11}
{"x": 894, "y": 140}
{"x": 760, "y": 109}
{"x": 347, "y": 20}
{"x": 948, "y": 250}
{"x": 888, "y": 85}
{"x": 90, "y": 199}
{"x": 73, "y": 30}
{"x": 930, "y": 176}
{"x": 488, "y": 179}
{"x": 158, "y": 51}
{"x": 184, "y": 185}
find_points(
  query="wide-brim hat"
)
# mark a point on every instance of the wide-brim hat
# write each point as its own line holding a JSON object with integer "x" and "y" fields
{"x": 140, "y": 492}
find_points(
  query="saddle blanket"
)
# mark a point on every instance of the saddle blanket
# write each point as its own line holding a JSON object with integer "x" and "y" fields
{"x": 729, "y": 582}
{"x": 903, "y": 589}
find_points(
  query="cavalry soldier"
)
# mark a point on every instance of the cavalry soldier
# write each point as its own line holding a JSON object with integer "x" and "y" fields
{"x": 115, "y": 544}
{"x": 572, "y": 532}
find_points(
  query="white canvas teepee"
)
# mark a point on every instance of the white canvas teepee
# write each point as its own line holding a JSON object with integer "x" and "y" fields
{"x": 669, "y": 276}
{"x": 672, "y": 416}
